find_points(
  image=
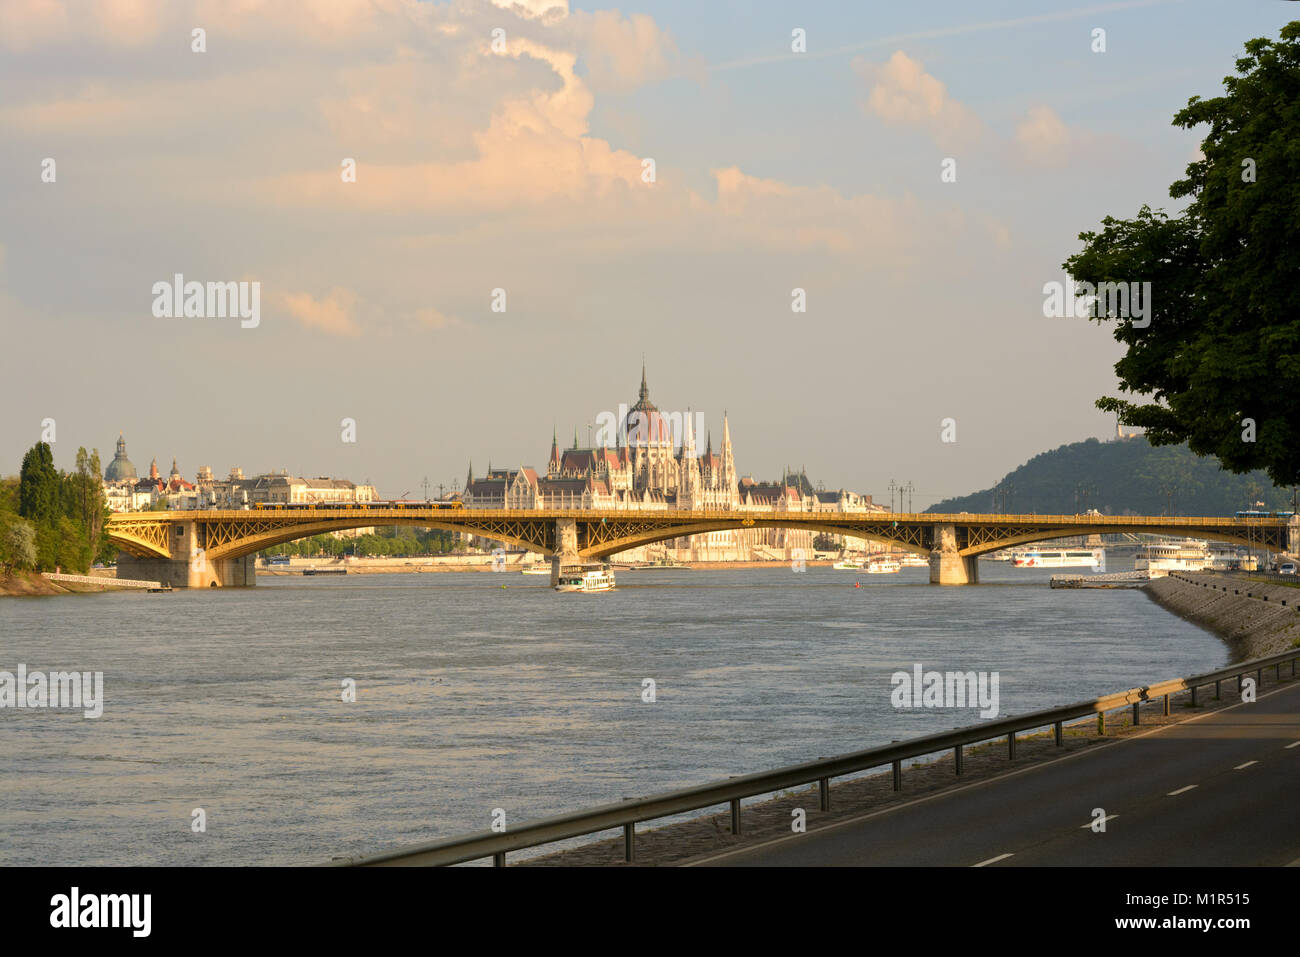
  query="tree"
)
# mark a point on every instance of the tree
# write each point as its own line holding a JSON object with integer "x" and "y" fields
{"x": 87, "y": 486}
{"x": 1219, "y": 362}
{"x": 17, "y": 543}
{"x": 39, "y": 486}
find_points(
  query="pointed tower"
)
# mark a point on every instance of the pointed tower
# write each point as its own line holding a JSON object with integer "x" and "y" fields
{"x": 688, "y": 489}
{"x": 469, "y": 475}
{"x": 553, "y": 467}
{"x": 728, "y": 483}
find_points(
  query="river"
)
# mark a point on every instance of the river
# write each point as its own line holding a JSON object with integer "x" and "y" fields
{"x": 472, "y": 696}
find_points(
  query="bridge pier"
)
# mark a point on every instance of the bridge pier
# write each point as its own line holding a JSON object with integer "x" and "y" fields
{"x": 188, "y": 567}
{"x": 223, "y": 573}
{"x": 947, "y": 565}
{"x": 566, "y": 547}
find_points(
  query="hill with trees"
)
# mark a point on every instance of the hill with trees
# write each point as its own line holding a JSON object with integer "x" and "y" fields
{"x": 1122, "y": 477}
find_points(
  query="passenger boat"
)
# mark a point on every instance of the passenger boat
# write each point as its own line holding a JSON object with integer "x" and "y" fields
{"x": 1160, "y": 558}
{"x": 914, "y": 561}
{"x": 885, "y": 567}
{"x": 585, "y": 578}
{"x": 849, "y": 564}
{"x": 1094, "y": 558}
{"x": 539, "y": 569}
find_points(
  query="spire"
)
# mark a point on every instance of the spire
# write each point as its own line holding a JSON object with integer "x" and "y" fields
{"x": 554, "y": 465}
{"x": 469, "y": 476}
{"x": 575, "y": 436}
{"x": 645, "y": 390}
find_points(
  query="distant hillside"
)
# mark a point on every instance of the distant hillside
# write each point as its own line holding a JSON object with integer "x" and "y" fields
{"x": 1120, "y": 477}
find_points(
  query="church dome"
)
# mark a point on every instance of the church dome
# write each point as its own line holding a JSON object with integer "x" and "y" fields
{"x": 120, "y": 469}
{"x": 645, "y": 424}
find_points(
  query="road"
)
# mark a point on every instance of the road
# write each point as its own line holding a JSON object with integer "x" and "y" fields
{"x": 1219, "y": 789}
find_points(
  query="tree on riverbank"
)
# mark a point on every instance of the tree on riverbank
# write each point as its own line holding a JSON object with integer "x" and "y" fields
{"x": 1217, "y": 356}
{"x": 65, "y": 510}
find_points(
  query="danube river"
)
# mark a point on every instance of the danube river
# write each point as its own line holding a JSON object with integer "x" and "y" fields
{"x": 472, "y": 696}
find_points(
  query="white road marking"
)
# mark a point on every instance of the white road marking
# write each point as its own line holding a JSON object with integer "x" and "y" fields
{"x": 1180, "y": 790}
{"x": 1108, "y": 817}
{"x": 992, "y": 860}
{"x": 1246, "y": 765}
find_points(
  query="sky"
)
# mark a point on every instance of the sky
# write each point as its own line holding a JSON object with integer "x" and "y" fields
{"x": 502, "y": 158}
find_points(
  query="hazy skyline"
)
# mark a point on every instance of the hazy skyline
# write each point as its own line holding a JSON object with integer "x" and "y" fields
{"x": 522, "y": 170}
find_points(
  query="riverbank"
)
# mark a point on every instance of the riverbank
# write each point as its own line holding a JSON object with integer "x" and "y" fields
{"x": 23, "y": 584}
{"x": 1255, "y": 618}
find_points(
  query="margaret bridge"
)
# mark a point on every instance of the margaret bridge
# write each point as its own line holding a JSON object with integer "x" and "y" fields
{"x": 216, "y": 548}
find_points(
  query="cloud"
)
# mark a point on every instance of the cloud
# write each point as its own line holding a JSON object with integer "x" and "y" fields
{"x": 331, "y": 315}
{"x": 903, "y": 94}
{"x": 621, "y": 53}
{"x": 1043, "y": 139}
{"x": 475, "y": 169}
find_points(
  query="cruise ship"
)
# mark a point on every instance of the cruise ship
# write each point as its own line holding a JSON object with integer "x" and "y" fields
{"x": 1094, "y": 558}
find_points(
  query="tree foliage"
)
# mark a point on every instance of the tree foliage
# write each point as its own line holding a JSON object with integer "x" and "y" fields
{"x": 1219, "y": 365}
{"x": 65, "y": 511}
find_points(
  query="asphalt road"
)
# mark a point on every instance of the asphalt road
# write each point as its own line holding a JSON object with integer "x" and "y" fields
{"x": 1220, "y": 789}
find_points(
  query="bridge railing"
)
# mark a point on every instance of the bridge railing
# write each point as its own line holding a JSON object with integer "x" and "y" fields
{"x": 628, "y": 814}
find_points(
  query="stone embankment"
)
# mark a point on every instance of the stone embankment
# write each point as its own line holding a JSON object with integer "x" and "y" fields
{"x": 1256, "y": 617}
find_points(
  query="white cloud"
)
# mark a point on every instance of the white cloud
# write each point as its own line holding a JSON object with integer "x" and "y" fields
{"x": 903, "y": 94}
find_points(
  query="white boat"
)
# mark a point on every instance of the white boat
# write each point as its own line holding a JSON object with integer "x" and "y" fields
{"x": 914, "y": 561}
{"x": 886, "y": 567}
{"x": 849, "y": 564}
{"x": 1160, "y": 558}
{"x": 542, "y": 569}
{"x": 585, "y": 578}
{"x": 1094, "y": 558}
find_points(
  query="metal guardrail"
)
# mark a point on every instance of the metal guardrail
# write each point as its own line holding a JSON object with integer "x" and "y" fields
{"x": 628, "y": 814}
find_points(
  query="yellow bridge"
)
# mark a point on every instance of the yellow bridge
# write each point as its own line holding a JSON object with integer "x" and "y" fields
{"x": 201, "y": 549}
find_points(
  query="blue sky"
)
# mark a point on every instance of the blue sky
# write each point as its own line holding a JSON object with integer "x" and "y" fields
{"x": 520, "y": 169}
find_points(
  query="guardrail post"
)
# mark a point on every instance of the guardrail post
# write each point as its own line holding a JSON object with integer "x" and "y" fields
{"x": 1277, "y": 671}
{"x": 1259, "y": 679}
{"x": 499, "y": 860}
{"x": 824, "y": 793}
{"x": 1060, "y": 732}
{"x": 1166, "y": 706}
{"x": 1216, "y": 691}
{"x": 1137, "y": 717}
{"x": 1193, "y": 696}
{"x": 1240, "y": 679}
{"x": 1011, "y": 746}
{"x": 735, "y": 816}
{"x": 898, "y": 775}
{"x": 1101, "y": 722}
{"x": 956, "y": 758}
{"x": 629, "y": 842}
